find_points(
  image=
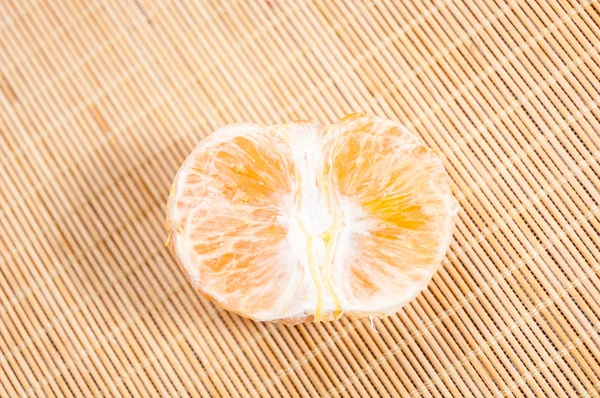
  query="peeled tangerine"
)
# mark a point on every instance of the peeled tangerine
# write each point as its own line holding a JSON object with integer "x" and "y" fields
{"x": 301, "y": 222}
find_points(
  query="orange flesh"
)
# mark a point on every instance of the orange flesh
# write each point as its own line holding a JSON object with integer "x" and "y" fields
{"x": 234, "y": 195}
{"x": 249, "y": 179}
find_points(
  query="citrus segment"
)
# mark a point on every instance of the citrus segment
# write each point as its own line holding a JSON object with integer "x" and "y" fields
{"x": 404, "y": 217}
{"x": 224, "y": 210}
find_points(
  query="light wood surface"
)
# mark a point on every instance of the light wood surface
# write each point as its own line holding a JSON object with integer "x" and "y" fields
{"x": 100, "y": 102}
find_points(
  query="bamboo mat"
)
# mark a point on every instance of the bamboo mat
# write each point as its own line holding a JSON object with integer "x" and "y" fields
{"x": 100, "y": 102}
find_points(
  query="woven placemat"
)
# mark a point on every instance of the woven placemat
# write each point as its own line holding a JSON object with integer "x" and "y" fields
{"x": 100, "y": 102}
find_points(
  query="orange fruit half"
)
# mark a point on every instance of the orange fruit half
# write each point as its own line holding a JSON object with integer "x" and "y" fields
{"x": 301, "y": 222}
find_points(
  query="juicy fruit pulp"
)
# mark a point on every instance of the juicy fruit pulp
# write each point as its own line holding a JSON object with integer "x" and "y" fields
{"x": 300, "y": 222}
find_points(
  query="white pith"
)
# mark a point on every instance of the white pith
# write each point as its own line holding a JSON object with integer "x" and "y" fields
{"x": 307, "y": 217}
{"x": 318, "y": 212}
